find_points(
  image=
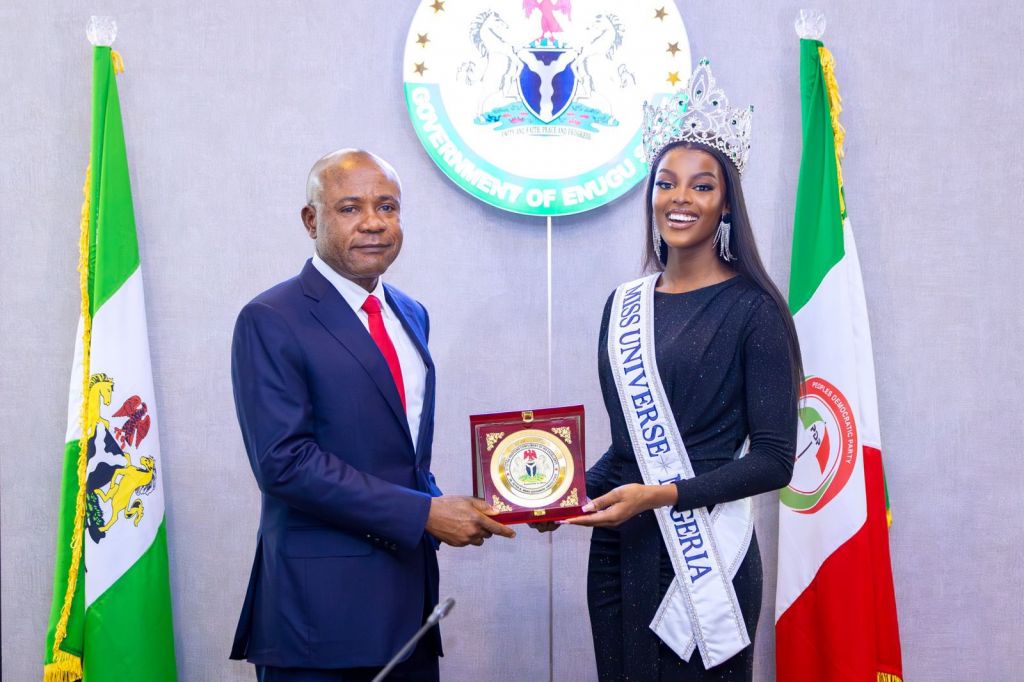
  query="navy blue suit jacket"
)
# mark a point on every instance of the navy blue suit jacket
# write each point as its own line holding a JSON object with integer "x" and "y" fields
{"x": 343, "y": 567}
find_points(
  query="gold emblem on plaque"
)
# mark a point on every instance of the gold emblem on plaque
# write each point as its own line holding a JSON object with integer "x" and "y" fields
{"x": 499, "y": 505}
{"x": 532, "y": 468}
{"x": 493, "y": 438}
{"x": 572, "y": 499}
{"x": 563, "y": 432}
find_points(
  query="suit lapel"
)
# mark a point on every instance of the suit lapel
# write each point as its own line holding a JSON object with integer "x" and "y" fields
{"x": 331, "y": 310}
{"x": 405, "y": 313}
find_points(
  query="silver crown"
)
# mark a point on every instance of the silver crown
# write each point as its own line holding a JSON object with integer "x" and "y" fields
{"x": 699, "y": 113}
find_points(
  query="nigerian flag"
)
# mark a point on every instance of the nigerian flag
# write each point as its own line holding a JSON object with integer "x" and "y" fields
{"x": 111, "y": 612}
{"x": 835, "y": 608}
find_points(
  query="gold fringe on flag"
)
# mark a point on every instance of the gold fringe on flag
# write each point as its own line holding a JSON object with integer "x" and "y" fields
{"x": 888, "y": 506}
{"x": 68, "y": 667}
{"x": 835, "y": 102}
{"x": 828, "y": 69}
{"x": 116, "y": 61}
{"x": 888, "y": 677}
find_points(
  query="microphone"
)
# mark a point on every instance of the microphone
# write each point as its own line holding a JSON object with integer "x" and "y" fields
{"x": 439, "y": 612}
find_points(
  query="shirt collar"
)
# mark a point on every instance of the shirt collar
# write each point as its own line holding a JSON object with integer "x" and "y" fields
{"x": 353, "y": 294}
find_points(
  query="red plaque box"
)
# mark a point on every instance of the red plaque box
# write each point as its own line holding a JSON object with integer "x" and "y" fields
{"x": 529, "y": 465}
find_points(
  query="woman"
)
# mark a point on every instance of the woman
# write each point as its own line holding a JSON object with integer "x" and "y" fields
{"x": 709, "y": 339}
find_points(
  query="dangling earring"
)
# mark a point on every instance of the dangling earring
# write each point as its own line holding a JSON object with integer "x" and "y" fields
{"x": 722, "y": 238}
{"x": 656, "y": 236}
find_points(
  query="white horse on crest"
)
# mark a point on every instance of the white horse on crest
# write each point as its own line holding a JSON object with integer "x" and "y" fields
{"x": 498, "y": 68}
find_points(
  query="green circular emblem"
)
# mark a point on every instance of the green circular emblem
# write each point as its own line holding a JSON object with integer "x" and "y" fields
{"x": 827, "y": 448}
{"x": 534, "y": 106}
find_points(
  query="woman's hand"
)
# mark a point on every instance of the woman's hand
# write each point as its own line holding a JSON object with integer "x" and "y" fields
{"x": 624, "y": 503}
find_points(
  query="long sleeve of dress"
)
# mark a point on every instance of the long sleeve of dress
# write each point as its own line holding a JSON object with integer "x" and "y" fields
{"x": 771, "y": 419}
{"x": 599, "y": 475}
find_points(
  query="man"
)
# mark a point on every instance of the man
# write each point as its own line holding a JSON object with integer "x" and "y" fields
{"x": 334, "y": 389}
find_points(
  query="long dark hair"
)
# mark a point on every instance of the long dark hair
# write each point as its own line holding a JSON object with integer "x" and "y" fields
{"x": 741, "y": 242}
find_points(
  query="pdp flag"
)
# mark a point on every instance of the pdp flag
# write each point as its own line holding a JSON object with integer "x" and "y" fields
{"x": 111, "y": 613}
{"x": 835, "y": 607}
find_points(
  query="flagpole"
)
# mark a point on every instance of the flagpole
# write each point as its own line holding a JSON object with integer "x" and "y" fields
{"x": 829, "y": 558}
{"x": 550, "y": 349}
{"x": 551, "y": 538}
{"x": 61, "y": 665}
{"x": 96, "y": 626}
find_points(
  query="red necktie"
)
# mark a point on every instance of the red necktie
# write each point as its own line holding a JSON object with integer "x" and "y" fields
{"x": 383, "y": 341}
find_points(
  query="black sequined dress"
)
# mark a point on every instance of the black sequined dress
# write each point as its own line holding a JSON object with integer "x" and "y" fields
{"x": 723, "y": 359}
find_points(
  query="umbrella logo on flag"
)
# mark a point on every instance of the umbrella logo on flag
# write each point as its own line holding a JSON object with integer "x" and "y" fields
{"x": 827, "y": 448}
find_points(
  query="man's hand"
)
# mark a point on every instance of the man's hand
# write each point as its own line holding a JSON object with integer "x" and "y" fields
{"x": 624, "y": 503}
{"x": 460, "y": 521}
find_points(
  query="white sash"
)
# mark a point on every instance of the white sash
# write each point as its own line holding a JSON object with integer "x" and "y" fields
{"x": 700, "y": 608}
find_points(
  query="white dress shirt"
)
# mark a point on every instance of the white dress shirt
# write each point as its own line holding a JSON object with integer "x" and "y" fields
{"x": 414, "y": 371}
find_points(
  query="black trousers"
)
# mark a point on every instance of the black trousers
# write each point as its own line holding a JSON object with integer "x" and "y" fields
{"x": 421, "y": 666}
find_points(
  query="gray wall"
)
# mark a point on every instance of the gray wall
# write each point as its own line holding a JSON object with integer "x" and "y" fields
{"x": 227, "y": 103}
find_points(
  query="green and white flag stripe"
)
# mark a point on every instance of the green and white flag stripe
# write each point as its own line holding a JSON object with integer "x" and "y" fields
{"x": 818, "y": 223}
{"x": 111, "y": 612}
